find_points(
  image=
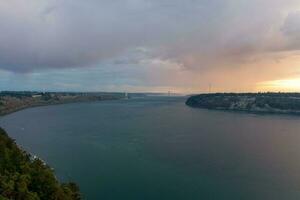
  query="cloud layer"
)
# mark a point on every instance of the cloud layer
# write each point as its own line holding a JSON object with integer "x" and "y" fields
{"x": 184, "y": 37}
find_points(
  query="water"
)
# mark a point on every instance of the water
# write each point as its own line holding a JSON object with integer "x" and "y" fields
{"x": 159, "y": 149}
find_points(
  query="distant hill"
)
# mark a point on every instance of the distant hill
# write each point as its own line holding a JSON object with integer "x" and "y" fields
{"x": 23, "y": 177}
{"x": 285, "y": 103}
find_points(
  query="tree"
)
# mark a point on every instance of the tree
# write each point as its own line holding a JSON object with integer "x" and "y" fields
{"x": 24, "y": 178}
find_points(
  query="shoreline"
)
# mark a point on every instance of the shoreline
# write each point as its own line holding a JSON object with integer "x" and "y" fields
{"x": 251, "y": 103}
{"x": 50, "y": 103}
{"x": 291, "y": 113}
{"x": 39, "y": 175}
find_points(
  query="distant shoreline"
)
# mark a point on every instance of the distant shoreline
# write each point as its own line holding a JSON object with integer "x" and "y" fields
{"x": 11, "y": 102}
{"x": 44, "y": 105}
{"x": 254, "y": 103}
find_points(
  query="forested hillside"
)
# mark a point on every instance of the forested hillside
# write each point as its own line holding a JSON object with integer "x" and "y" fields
{"x": 25, "y": 178}
{"x": 284, "y": 103}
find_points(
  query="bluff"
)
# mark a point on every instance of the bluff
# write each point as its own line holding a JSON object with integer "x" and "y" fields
{"x": 282, "y": 103}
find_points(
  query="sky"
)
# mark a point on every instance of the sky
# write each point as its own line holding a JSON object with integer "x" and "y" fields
{"x": 150, "y": 45}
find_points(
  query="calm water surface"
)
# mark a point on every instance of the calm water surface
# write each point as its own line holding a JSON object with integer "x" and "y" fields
{"x": 157, "y": 148}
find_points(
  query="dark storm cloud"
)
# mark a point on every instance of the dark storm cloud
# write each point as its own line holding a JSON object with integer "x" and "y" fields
{"x": 291, "y": 29}
{"x": 38, "y": 34}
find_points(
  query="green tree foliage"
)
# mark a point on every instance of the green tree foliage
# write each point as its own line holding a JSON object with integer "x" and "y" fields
{"x": 266, "y": 102}
{"x": 25, "y": 178}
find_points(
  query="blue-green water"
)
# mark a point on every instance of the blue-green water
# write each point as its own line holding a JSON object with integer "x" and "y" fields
{"x": 157, "y": 148}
